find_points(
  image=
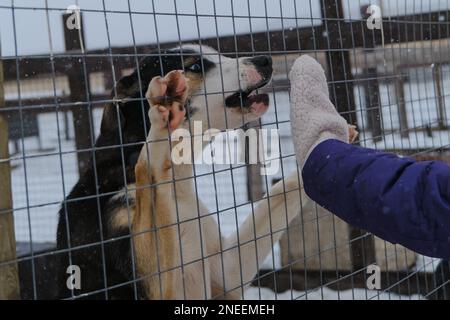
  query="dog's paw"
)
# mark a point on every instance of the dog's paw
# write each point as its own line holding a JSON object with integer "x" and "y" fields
{"x": 352, "y": 133}
{"x": 167, "y": 97}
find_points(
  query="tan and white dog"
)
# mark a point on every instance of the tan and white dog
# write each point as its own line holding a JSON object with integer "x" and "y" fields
{"x": 184, "y": 252}
{"x": 133, "y": 222}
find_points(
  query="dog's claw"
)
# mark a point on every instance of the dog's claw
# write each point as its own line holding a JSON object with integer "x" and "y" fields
{"x": 169, "y": 95}
{"x": 352, "y": 133}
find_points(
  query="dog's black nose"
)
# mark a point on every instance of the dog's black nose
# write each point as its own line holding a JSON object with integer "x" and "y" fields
{"x": 262, "y": 61}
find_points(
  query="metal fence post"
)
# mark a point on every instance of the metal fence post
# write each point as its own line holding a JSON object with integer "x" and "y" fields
{"x": 9, "y": 279}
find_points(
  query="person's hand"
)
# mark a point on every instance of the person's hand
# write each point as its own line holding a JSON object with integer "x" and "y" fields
{"x": 313, "y": 116}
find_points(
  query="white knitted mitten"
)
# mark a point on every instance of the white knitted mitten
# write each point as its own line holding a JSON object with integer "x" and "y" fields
{"x": 313, "y": 116}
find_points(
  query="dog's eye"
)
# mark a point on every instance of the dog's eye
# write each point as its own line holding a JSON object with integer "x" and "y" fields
{"x": 196, "y": 67}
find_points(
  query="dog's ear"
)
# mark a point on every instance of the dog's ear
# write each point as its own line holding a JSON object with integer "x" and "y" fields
{"x": 112, "y": 114}
{"x": 112, "y": 118}
{"x": 129, "y": 87}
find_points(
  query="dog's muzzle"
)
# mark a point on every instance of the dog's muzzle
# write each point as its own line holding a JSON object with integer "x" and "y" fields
{"x": 246, "y": 98}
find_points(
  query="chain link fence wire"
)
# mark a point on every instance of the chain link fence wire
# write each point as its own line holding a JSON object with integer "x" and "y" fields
{"x": 390, "y": 80}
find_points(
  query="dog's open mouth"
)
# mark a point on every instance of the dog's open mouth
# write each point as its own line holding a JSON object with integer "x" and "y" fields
{"x": 249, "y": 101}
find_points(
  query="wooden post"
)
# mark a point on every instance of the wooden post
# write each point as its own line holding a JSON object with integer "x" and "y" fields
{"x": 78, "y": 82}
{"x": 338, "y": 59}
{"x": 254, "y": 182}
{"x": 9, "y": 279}
{"x": 340, "y": 73}
{"x": 440, "y": 99}
{"x": 255, "y": 188}
{"x": 372, "y": 97}
{"x": 401, "y": 105}
{"x": 372, "y": 88}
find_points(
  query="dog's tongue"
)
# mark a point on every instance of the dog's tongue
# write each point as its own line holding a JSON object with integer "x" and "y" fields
{"x": 259, "y": 103}
{"x": 258, "y": 98}
{"x": 259, "y": 108}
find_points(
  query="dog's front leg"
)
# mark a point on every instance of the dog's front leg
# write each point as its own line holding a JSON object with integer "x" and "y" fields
{"x": 247, "y": 249}
{"x": 155, "y": 234}
{"x": 262, "y": 229}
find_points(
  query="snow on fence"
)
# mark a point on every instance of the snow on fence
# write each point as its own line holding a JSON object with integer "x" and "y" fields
{"x": 391, "y": 82}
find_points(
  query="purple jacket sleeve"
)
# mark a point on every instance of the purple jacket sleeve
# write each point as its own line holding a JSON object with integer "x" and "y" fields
{"x": 397, "y": 199}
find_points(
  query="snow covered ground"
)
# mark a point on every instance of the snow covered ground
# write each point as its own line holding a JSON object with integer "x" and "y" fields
{"x": 41, "y": 179}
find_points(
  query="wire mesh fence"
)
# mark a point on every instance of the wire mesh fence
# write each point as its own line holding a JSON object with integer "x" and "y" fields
{"x": 74, "y": 124}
